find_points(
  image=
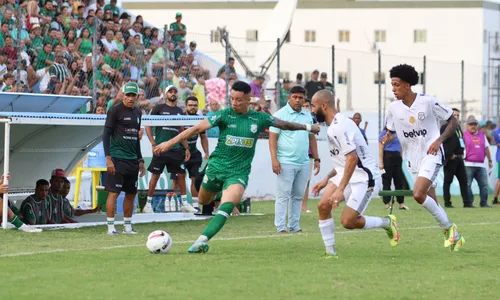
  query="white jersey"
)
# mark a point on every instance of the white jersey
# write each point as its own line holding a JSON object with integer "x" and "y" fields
{"x": 345, "y": 137}
{"x": 417, "y": 127}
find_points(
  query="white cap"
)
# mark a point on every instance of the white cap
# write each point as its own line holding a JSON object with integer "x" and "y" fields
{"x": 170, "y": 87}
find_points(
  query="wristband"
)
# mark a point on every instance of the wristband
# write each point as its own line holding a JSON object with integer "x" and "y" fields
{"x": 308, "y": 127}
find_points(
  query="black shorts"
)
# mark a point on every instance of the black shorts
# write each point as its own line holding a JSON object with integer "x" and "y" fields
{"x": 192, "y": 166}
{"x": 125, "y": 178}
{"x": 173, "y": 160}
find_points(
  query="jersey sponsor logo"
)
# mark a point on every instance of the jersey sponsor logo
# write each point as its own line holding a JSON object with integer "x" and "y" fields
{"x": 253, "y": 128}
{"x": 415, "y": 133}
{"x": 421, "y": 116}
{"x": 231, "y": 126}
{"x": 251, "y": 118}
{"x": 237, "y": 141}
{"x": 127, "y": 119}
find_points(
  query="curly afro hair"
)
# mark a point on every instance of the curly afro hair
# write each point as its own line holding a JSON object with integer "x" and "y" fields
{"x": 406, "y": 73}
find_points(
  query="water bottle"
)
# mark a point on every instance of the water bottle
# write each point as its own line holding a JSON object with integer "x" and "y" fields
{"x": 173, "y": 206}
{"x": 167, "y": 202}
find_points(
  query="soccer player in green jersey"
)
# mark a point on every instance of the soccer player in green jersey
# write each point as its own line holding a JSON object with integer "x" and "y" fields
{"x": 124, "y": 161}
{"x": 13, "y": 211}
{"x": 230, "y": 164}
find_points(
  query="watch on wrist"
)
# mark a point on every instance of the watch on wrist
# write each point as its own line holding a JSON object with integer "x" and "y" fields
{"x": 317, "y": 160}
{"x": 141, "y": 160}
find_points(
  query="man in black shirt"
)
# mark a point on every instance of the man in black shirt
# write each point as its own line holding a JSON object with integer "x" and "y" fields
{"x": 313, "y": 85}
{"x": 122, "y": 148}
{"x": 454, "y": 166}
{"x": 193, "y": 165}
{"x": 173, "y": 159}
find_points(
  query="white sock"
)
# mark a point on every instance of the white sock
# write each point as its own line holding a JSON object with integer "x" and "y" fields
{"x": 127, "y": 224}
{"x": 327, "y": 228}
{"x": 376, "y": 222}
{"x": 202, "y": 239}
{"x": 111, "y": 224}
{"x": 437, "y": 212}
{"x": 150, "y": 199}
{"x": 195, "y": 202}
{"x": 183, "y": 197}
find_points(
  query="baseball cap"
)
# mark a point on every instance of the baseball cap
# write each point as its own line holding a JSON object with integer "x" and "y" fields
{"x": 254, "y": 99}
{"x": 130, "y": 88}
{"x": 323, "y": 75}
{"x": 315, "y": 71}
{"x": 170, "y": 87}
{"x": 58, "y": 173}
{"x": 178, "y": 15}
{"x": 471, "y": 120}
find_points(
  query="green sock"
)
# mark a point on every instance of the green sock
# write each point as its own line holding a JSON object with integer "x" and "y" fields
{"x": 16, "y": 222}
{"x": 217, "y": 222}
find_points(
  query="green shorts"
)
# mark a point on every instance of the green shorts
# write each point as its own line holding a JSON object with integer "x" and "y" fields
{"x": 214, "y": 181}
{"x": 498, "y": 169}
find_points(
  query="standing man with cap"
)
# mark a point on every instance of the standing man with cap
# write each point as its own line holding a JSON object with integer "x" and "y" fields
{"x": 177, "y": 29}
{"x": 173, "y": 159}
{"x": 313, "y": 85}
{"x": 124, "y": 160}
{"x": 326, "y": 85}
{"x": 454, "y": 166}
{"x": 476, "y": 150}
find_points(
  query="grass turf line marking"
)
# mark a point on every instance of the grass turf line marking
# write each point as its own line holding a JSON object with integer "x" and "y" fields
{"x": 17, "y": 254}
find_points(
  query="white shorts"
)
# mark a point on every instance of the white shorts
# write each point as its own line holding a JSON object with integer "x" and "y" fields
{"x": 429, "y": 168}
{"x": 134, "y": 73}
{"x": 357, "y": 194}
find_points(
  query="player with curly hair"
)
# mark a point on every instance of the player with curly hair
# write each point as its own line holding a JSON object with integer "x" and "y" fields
{"x": 415, "y": 119}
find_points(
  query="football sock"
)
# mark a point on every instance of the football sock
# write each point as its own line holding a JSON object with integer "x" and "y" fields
{"x": 111, "y": 224}
{"x": 127, "y": 224}
{"x": 327, "y": 228}
{"x": 16, "y": 222}
{"x": 150, "y": 199}
{"x": 218, "y": 221}
{"x": 437, "y": 212}
{"x": 376, "y": 222}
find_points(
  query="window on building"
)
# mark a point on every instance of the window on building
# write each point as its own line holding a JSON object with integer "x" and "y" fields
{"x": 420, "y": 36}
{"x": 307, "y": 76}
{"x": 380, "y": 36}
{"x": 214, "y": 36}
{"x": 376, "y": 78}
{"x": 342, "y": 77}
{"x": 310, "y": 36}
{"x": 285, "y": 75}
{"x": 344, "y": 36}
{"x": 252, "y": 35}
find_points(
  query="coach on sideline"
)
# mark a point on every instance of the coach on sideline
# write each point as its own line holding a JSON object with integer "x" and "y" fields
{"x": 290, "y": 160}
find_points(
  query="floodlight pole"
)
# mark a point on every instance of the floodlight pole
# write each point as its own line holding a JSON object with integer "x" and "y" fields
{"x": 6, "y": 152}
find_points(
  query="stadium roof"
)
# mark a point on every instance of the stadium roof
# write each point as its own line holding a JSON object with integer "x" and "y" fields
{"x": 307, "y": 4}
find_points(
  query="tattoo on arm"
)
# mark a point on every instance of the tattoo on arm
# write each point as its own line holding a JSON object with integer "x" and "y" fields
{"x": 288, "y": 125}
{"x": 449, "y": 130}
{"x": 332, "y": 173}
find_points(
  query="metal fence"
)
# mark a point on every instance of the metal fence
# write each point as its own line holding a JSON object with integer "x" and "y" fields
{"x": 96, "y": 55}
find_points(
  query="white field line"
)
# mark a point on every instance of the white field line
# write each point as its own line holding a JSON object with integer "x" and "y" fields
{"x": 251, "y": 237}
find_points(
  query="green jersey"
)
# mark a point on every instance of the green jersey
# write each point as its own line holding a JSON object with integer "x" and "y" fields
{"x": 56, "y": 203}
{"x": 175, "y": 27}
{"x": 124, "y": 124}
{"x": 237, "y": 139}
{"x": 67, "y": 209}
{"x": 192, "y": 141}
{"x": 36, "y": 212}
{"x": 166, "y": 133}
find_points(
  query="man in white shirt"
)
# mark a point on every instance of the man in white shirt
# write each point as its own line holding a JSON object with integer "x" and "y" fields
{"x": 415, "y": 118}
{"x": 354, "y": 178}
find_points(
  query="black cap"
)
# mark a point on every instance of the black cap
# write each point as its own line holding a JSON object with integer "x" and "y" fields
{"x": 193, "y": 43}
{"x": 323, "y": 75}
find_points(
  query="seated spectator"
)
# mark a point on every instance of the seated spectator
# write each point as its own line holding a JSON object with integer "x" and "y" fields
{"x": 55, "y": 197}
{"x": 36, "y": 209}
{"x": 184, "y": 92}
{"x": 223, "y": 68}
{"x": 68, "y": 210}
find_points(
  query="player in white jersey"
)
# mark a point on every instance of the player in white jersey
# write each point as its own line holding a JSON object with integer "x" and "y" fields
{"x": 415, "y": 119}
{"x": 354, "y": 178}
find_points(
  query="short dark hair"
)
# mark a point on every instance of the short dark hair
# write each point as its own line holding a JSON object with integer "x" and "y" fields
{"x": 230, "y": 59}
{"x": 42, "y": 182}
{"x": 241, "y": 86}
{"x": 297, "y": 90}
{"x": 299, "y": 76}
{"x": 191, "y": 98}
{"x": 455, "y": 109}
{"x": 405, "y": 72}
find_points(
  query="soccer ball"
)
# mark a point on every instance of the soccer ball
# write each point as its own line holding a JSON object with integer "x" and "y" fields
{"x": 159, "y": 242}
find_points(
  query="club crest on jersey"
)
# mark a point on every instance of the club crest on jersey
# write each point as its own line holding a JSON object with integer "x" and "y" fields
{"x": 421, "y": 116}
{"x": 253, "y": 128}
{"x": 412, "y": 120}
